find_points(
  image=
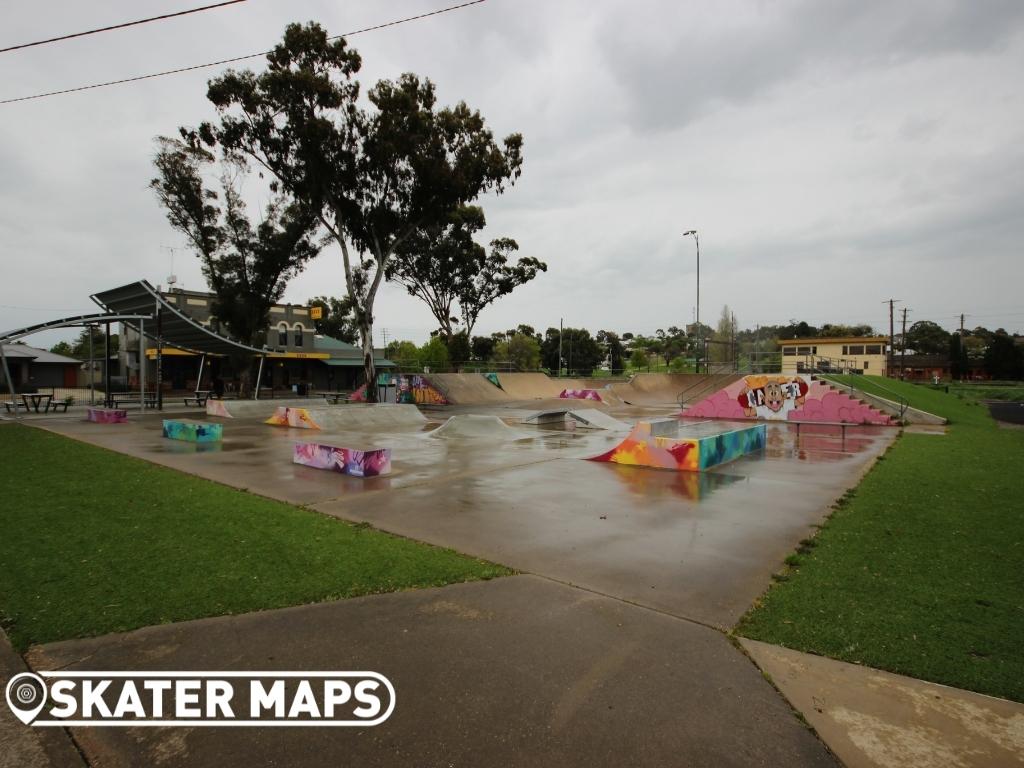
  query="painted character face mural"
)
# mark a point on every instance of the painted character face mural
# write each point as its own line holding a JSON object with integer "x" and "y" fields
{"x": 771, "y": 397}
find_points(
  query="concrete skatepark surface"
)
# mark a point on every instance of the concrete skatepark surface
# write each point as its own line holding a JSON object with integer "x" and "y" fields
{"x": 527, "y": 670}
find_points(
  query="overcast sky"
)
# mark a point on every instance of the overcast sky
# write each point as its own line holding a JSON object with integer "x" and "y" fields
{"x": 831, "y": 154}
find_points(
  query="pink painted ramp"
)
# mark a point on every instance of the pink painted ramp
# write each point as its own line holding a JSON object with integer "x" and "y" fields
{"x": 775, "y": 397}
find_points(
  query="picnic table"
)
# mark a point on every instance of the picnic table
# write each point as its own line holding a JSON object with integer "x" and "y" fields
{"x": 37, "y": 399}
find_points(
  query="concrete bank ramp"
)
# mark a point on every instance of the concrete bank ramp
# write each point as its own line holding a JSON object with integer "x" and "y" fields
{"x": 587, "y": 418}
{"x": 467, "y": 388}
{"x": 351, "y": 416}
{"x": 534, "y": 386}
{"x": 471, "y": 426}
{"x": 372, "y": 416}
{"x": 657, "y": 388}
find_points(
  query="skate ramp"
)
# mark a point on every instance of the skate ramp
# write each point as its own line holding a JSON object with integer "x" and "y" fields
{"x": 370, "y": 416}
{"x": 471, "y": 426}
{"x": 534, "y": 386}
{"x": 589, "y": 418}
{"x": 656, "y": 388}
{"x": 259, "y": 409}
{"x": 467, "y": 388}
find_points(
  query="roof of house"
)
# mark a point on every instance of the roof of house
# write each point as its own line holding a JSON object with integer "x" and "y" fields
{"x": 836, "y": 340}
{"x": 37, "y": 355}
{"x": 328, "y": 343}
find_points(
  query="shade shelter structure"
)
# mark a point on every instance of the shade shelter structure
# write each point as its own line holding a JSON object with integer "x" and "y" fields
{"x": 173, "y": 326}
{"x": 138, "y": 320}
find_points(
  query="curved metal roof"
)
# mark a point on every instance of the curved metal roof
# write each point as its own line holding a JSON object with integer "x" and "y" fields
{"x": 177, "y": 329}
{"x": 69, "y": 322}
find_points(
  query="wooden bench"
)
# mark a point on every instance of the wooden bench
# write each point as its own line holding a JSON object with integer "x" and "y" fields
{"x": 60, "y": 404}
{"x": 337, "y": 397}
{"x": 14, "y": 406}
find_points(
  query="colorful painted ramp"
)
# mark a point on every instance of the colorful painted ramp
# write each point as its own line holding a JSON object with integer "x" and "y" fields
{"x": 293, "y": 417}
{"x": 348, "y": 461}
{"x": 775, "y": 397}
{"x": 653, "y": 444}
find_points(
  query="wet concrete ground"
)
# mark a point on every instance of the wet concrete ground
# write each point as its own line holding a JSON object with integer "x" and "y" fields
{"x": 700, "y": 546}
{"x": 527, "y": 670}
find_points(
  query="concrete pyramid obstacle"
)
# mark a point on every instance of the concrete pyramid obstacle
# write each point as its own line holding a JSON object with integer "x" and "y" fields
{"x": 778, "y": 397}
{"x": 475, "y": 426}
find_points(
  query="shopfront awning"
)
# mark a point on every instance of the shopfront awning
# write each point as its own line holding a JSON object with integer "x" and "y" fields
{"x": 353, "y": 362}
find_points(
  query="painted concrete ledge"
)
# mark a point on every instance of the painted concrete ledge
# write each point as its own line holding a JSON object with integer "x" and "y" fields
{"x": 875, "y": 719}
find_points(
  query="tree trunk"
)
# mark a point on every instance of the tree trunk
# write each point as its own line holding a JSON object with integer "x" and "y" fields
{"x": 369, "y": 369}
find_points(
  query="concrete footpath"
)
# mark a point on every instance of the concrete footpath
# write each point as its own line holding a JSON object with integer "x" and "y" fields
{"x": 20, "y": 745}
{"x": 519, "y": 671}
{"x": 875, "y": 719}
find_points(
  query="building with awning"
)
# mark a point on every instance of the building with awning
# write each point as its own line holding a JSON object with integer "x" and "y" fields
{"x": 195, "y": 349}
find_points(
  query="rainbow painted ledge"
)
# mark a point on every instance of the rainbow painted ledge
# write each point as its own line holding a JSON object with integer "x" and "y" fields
{"x": 193, "y": 431}
{"x": 656, "y": 444}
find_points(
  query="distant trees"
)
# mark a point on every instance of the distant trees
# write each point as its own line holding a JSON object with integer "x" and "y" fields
{"x": 616, "y": 350}
{"x": 928, "y": 338}
{"x": 581, "y": 353}
{"x": 519, "y": 350}
{"x": 1003, "y": 359}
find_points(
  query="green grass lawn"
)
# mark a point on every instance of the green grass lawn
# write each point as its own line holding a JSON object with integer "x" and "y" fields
{"x": 92, "y": 541}
{"x": 920, "y": 570}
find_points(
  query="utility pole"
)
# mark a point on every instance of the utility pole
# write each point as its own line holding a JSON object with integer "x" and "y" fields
{"x": 892, "y": 335}
{"x": 903, "y": 344}
{"x": 963, "y": 352}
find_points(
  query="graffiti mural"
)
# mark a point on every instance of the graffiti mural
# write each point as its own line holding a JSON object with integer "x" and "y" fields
{"x": 300, "y": 418}
{"x": 581, "y": 394}
{"x": 193, "y": 431}
{"x": 107, "y": 415}
{"x": 493, "y": 378}
{"x": 416, "y": 390}
{"x": 217, "y": 408}
{"x": 347, "y": 461}
{"x": 643, "y": 447}
{"x": 775, "y": 397}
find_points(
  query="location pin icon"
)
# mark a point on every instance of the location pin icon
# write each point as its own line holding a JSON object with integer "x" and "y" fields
{"x": 26, "y": 696}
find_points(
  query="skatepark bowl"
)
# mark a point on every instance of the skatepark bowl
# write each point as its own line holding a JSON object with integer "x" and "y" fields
{"x": 494, "y": 481}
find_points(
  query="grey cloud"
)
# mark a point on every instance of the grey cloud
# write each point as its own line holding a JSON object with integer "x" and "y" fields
{"x": 671, "y": 82}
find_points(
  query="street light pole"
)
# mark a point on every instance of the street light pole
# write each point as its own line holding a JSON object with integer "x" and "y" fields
{"x": 696, "y": 239}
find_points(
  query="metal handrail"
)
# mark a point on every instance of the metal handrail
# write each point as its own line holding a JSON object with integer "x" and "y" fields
{"x": 899, "y": 399}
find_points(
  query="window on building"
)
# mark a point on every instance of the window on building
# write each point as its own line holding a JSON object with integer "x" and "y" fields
{"x": 856, "y": 349}
{"x": 846, "y": 350}
{"x": 804, "y": 351}
{"x": 873, "y": 349}
{"x": 866, "y": 364}
{"x": 800, "y": 367}
{"x": 298, "y": 334}
{"x": 282, "y": 335}
{"x": 790, "y": 351}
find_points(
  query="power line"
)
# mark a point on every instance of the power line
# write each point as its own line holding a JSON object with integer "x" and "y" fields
{"x": 236, "y": 58}
{"x": 120, "y": 26}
